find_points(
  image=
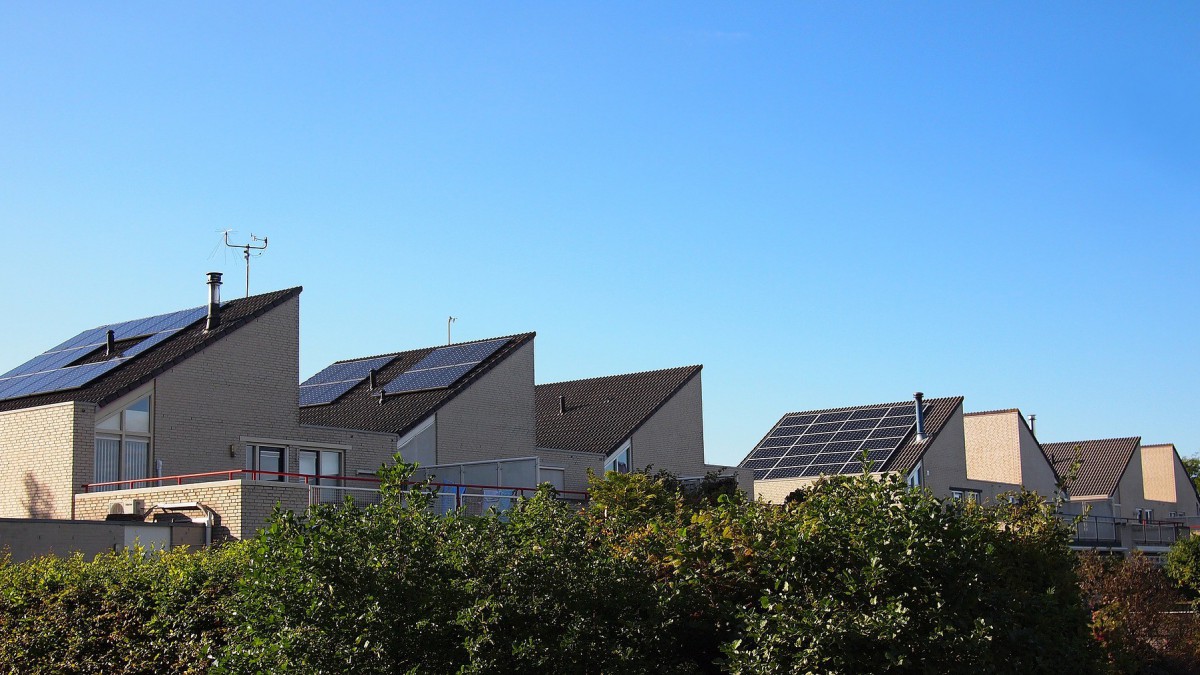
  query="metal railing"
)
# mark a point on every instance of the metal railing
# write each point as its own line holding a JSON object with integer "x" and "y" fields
{"x": 1109, "y": 531}
{"x": 325, "y": 489}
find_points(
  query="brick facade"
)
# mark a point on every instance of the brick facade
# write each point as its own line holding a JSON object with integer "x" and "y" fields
{"x": 242, "y": 507}
{"x": 673, "y": 437}
{"x": 493, "y": 418}
{"x": 42, "y": 458}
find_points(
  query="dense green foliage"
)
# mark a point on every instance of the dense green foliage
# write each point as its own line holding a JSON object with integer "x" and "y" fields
{"x": 1183, "y": 565}
{"x": 860, "y": 575}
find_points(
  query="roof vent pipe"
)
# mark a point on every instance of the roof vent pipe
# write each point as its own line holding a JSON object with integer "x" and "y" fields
{"x": 918, "y": 398}
{"x": 110, "y": 343}
{"x": 214, "y": 301}
{"x": 371, "y": 379}
{"x": 562, "y": 405}
{"x": 1033, "y": 425}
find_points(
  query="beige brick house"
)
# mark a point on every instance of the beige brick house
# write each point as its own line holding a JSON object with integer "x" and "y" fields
{"x": 622, "y": 423}
{"x": 92, "y": 425}
{"x": 1121, "y": 478}
{"x": 1003, "y": 453}
{"x": 926, "y": 447}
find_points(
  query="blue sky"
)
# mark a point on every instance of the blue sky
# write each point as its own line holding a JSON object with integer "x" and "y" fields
{"x": 826, "y": 204}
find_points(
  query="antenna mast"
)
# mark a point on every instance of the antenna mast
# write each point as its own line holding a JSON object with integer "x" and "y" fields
{"x": 246, "y": 248}
{"x": 449, "y": 321}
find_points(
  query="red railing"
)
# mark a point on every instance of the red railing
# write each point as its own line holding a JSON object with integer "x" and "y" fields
{"x": 295, "y": 478}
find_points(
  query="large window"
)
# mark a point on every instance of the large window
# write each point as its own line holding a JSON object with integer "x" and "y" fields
{"x": 328, "y": 465}
{"x": 619, "y": 461}
{"x": 123, "y": 442}
{"x": 269, "y": 458}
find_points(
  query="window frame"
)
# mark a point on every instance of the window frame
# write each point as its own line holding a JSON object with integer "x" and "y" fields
{"x": 967, "y": 495}
{"x": 612, "y": 463}
{"x": 123, "y": 435}
{"x": 254, "y": 460}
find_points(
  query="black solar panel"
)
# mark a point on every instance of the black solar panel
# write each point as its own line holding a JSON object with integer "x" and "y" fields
{"x": 339, "y": 378}
{"x": 831, "y": 442}
{"x": 443, "y": 367}
{"x": 52, "y": 370}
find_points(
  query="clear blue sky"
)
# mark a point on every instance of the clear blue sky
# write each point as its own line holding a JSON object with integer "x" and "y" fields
{"x": 826, "y": 204}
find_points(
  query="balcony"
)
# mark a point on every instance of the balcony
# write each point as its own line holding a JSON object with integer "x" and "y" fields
{"x": 243, "y": 499}
{"x": 1124, "y": 534}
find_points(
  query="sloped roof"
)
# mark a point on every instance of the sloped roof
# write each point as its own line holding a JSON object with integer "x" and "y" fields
{"x": 1102, "y": 463}
{"x": 602, "y": 412}
{"x": 157, "y": 359}
{"x": 909, "y": 450}
{"x": 359, "y": 408}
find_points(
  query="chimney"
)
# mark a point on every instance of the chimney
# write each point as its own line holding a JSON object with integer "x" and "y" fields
{"x": 919, "y": 397}
{"x": 1033, "y": 425}
{"x": 562, "y": 405}
{"x": 110, "y": 343}
{"x": 214, "y": 301}
{"x": 371, "y": 380}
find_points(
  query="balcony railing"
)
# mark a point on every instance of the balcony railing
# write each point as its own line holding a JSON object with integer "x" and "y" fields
{"x": 325, "y": 489}
{"x": 1110, "y": 532}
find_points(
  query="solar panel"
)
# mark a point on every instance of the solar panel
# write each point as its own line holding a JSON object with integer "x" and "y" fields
{"x": 831, "y": 442}
{"x": 333, "y": 381}
{"x": 443, "y": 367}
{"x": 52, "y": 370}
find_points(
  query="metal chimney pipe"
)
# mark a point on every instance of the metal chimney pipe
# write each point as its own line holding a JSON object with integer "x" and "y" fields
{"x": 1033, "y": 425}
{"x": 214, "y": 301}
{"x": 918, "y": 397}
{"x": 562, "y": 405}
{"x": 110, "y": 343}
{"x": 371, "y": 379}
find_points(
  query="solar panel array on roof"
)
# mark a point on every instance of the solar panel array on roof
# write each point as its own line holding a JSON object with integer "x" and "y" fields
{"x": 339, "y": 378}
{"x": 52, "y": 370}
{"x": 811, "y": 444}
{"x": 443, "y": 367}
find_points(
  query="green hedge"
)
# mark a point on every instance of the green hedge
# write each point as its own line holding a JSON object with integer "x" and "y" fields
{"x": 859, "y": 575}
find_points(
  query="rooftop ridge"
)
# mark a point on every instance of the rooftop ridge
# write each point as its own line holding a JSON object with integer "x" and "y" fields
{"x": 602, "y": 378}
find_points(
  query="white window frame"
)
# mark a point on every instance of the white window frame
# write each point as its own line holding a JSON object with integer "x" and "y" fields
{"x": 915, "y": 477}
{"x": 121, "y": 435}
{"x": 967, "y": 495}
{"x": 417, "y": 431}
{"x": 612, "y": 463}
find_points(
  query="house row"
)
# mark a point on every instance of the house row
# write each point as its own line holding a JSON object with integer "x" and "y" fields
{"x": 200, "y": 414}
{"x": 1132, "y": 495}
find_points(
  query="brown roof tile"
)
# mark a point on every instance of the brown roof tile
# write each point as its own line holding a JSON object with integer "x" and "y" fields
{"x": 1102, "y": 463}
{"x": 602, "y": 412}
{"x": 359, "y": 408}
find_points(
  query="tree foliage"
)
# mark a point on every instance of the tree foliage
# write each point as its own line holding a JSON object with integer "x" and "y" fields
{"x": 859, "y": 575}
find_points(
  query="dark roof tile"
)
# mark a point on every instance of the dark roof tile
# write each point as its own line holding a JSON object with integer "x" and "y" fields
{"x": 602, "y": 412}
{"x": 1102, "y": 463}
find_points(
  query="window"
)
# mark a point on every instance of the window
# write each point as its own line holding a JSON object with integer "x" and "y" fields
{"x": 420, "y": 445}
{"x": 970, "y": 496}
{"x": 914, "y": 477}
{"x": 323, "y": 463}
{"x": 619, "y": 461}
{"x": 123, "y": 442}
{"x": 269, "y": 458}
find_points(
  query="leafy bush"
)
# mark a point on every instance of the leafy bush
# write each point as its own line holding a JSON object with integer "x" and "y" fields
{"x": 861, "y": 575}
{"x": 1183, "y": 565}
{"x": 121, "y": 613}
{"x": 1136, "y": 618}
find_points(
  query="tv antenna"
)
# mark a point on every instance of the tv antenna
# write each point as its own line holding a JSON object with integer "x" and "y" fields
{"x": 449, "y": 321}
{"x": 246, "y": 248}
